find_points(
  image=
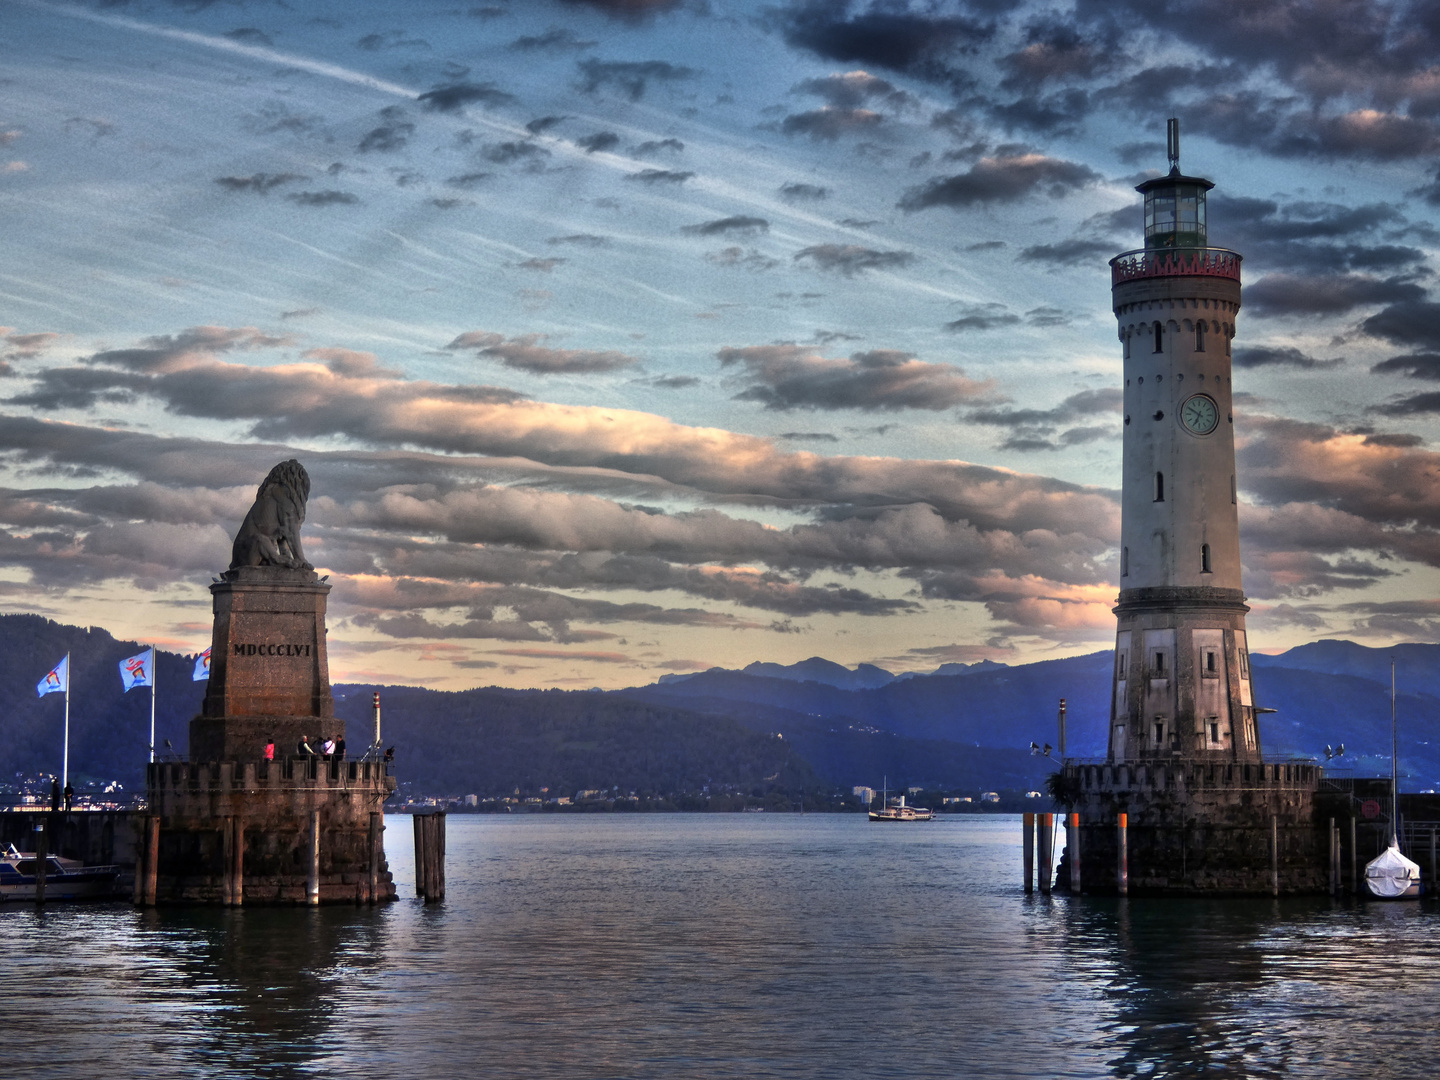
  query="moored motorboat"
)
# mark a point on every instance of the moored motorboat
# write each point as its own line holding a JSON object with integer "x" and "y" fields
{"x": 65, "y": 879}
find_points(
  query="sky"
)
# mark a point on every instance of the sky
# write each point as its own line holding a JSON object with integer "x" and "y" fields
{"x": 624, "y": 338}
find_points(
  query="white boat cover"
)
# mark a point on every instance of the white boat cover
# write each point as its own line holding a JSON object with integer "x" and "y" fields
{"x": 1390, "y": 874}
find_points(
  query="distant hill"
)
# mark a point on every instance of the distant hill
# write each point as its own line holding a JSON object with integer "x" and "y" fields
{"x": 771, "y": 726}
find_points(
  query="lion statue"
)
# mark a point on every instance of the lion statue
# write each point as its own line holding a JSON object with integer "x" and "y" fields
{"x": 270, "y": 533}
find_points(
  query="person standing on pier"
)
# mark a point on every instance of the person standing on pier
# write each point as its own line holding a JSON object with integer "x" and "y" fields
{"x": 270, "y": 748}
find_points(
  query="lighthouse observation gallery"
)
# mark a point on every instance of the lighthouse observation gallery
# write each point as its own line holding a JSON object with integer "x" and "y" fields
{"x": 1204, "y": 811}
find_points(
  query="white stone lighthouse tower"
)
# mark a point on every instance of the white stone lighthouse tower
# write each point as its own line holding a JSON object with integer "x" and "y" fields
{"x": 1182, "y": 669}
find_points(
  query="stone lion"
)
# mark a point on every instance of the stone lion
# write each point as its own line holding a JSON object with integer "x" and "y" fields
{"x": 270, "y": 533}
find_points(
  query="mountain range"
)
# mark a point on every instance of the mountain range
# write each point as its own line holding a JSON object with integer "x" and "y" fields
{"x": 806, "y": 725}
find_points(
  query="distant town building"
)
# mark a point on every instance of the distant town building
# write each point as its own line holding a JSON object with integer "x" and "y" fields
{"x": 865, "y": 794}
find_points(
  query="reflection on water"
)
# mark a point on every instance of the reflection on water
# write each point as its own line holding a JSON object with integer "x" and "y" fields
{"x": 744, "y": 945}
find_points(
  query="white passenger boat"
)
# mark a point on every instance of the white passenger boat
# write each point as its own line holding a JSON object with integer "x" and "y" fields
{"x": 65, "y": 879}
{"x": 900, "y": 812}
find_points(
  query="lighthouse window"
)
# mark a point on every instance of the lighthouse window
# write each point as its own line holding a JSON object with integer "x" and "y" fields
{"x": 1209, "y": 668}
{"x": 1199, "y": 337}
{"x": 1159, "y": 487}
{"x": 1159, "y": 732}
{"x": 1215, "y": 731}
{"x": 1120, "y": 664}
{"x": 1232, "y": 487}
{"x": 1159, "y": 338}
{"x": 1159, "y": 665}
{"x": 1124, "y": 561}
{"x": 1205, "y": 558}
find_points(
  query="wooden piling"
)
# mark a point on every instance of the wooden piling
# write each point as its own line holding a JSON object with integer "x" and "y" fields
{"x": 312, "y": 878}
{"x": 1122, "y": 849}
{"x": 1334, "y": 859}
{"x": 1044, "y": 842}
{"x": 1274, "y": 855}
{"x": 237, "y": 872}
{"x": 1027, "y": 847}
{"x": 373, "y": 875}
{"x": 227, "y": 854}
{"x": 1432, "y": 859}
{"x": 1354, "y": 861}
{"x": 152, "y": 861}
{"x": 418, "y": 820}
{"x": 42, "y": 855}
{"x": 1072, "y": 839}
{"x": 437, "y": 874}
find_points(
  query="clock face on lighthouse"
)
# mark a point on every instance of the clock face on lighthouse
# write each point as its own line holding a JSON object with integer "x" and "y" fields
{"x": 1200, "y": 414}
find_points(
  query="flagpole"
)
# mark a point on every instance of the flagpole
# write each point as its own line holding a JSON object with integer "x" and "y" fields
{"x": 154, "y": 672}
{"x": 65, "y": 761}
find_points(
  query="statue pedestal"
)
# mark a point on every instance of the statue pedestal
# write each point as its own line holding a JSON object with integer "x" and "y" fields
{"x": 269, "y": 673}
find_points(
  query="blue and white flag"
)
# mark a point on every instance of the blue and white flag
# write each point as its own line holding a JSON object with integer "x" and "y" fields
{"x": 58, "y": 681}
{"x": 138, "y": 670}
{"x": 202, "y": 667}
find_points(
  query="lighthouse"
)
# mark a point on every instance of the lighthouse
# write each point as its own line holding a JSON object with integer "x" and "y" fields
{"x": 1182, "y": 670}
{"x": 1183, "y": 803}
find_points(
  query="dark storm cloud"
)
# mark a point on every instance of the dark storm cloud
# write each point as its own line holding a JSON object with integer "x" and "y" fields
{"x": 1415, "y": 365}
{"x": 851, "y": 259}
{"x": 456, "y": 96}
{"x": 1325, "y": 294}
{"x": 393, "y": 134}
{"x": 528, "y": 354}
{"x": 260, "y": 182}
{"x": 554, "y": 40}
{"x": 322, "y": 198}
{"x": 1256, "y": 356}
{"x": 796, "y": 192}
{"x": 883, "y": 35}
{"x": 738, "y": 224}
{"x": 796, "y": 377}
{"x": 601, "y": 140}
{"x": 656, "y": 146}
{"x": 1309, "y": 237}
{"x": 1408, "y": 322}
{"x": 1073, "y": 252}
{"x": 79, "y": 388}
{"x": 1057, "y": 49}
{"x": 831, "y": 123}
{"x": 1426, "y": 404}
{"x": 1002, "y": 179}
{"x": 659, "y": 176}
{"x": 1059, "y": 113}
{"x": 631, "y": 78}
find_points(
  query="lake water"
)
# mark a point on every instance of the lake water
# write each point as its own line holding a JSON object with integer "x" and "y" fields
{"x": 746, "y": 945}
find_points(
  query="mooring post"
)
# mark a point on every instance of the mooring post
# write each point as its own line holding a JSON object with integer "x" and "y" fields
{"x": 1432, "y": 859}
{"x": 435, "y": 892}
{"x": 42, "y": 855}
{"x": 1354, "y": 860}
{"x": 238, "y": 873}
{"x": 374, "y": 868}
{"x": 1044, "y": 841}
{"x": 1334, "y": 859}
{"x": 1027, "y": 848}
{"x": 418, "y": 820}
{"x": 152, "y": 861}
{"x": 312, "y": 879}
{"x": 1122, "y": 849}
{"x": 1274, "y": 855}
{"x": 1072, "y": 838}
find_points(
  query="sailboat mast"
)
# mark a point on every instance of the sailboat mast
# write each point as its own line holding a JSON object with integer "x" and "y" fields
{"x": 1394, "y": 764}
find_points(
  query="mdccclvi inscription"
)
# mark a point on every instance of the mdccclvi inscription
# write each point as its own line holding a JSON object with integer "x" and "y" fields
{"x": 270, "y": 649}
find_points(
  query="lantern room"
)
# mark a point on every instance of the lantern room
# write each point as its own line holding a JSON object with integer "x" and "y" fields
{"x": 1174, "y": 204}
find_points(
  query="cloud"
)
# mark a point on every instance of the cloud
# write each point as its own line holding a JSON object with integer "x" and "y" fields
{"x": 743, "y": 259}
{"x": 542, "y": 265}
{"x": 1407, "y": 322}
{"x": 657, "y": 146}
{"x": 1415, "y": 365}
{"x": 1002, "y": 179}
{"x": 527, "y": 354}
{"x": 553, "y": 40}
{"x": 631, "y": 10}
{"x": 741, "y": 224}
{"x": 880, "y": 35}
{"x": 542, "y": 124}
{"x": 1280, "y": 294}
{"x": 322, "y": 198}
{"x": 601, "y": 140}
{"x": 455, "y": 96}
{"x": 511, "y": 153}
{"x": 631, "y": 78}
{"x": 1255, "y": 356}
{"x": 794, "y": 377}
{"x": 797, "y": 192}
{"x": 651, "y": 177}
{"x": 468, "y": 180}
{"x": 260, "y": 183}
{"x": 589, "y": 240}
{"x": 1076, "y": 251}
{"x": 391, "y": 135}
{"x": 1034, "y": 429}
{"x": 851, "y": 259}
{"x": 1056, "y": 49}
{"x": 831, "y": 123}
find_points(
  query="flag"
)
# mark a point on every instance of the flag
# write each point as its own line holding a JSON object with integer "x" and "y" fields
{"x": 58, "y": 681}
{"x": 202, "y": 667}
{"x": 138, "y": 670}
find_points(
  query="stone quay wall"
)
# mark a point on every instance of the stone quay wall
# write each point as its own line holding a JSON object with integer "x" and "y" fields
{"x": 1199, "y": 828}
{"x": 247, "y": 832}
